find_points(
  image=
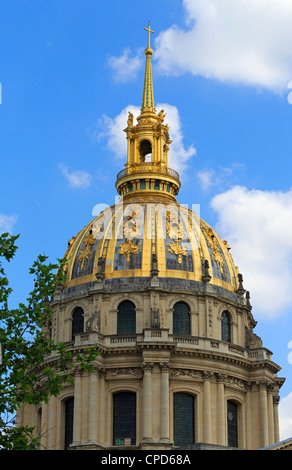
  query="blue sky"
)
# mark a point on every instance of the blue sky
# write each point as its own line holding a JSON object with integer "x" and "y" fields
{"x": 223, "y": 72}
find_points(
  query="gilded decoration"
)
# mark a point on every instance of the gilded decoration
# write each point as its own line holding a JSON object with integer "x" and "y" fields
{"x": 87, "y": 249}
{"x": 131, "y": 230}
{"x": 214, "y": 245}
{"x": 175, "y": 231}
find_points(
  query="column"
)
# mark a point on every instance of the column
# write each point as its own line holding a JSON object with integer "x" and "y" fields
{"x": 264, "y": 437}
{"x": 221, "y": 411}
{"x": 102, "y": 408}
{"x": 271, "y": 416}
{"x": 52, "y": 423}
{"x": 147, "y": 402}
{"x": 77, "y": 407}
{"x": 164, "y": 404}
{"x": 93, "y": 407}
{"x": 207, "y": 407}
{"x": 249, "y": 437}
{"x": 44, "y": 426}
{"x": 276, "y": 400}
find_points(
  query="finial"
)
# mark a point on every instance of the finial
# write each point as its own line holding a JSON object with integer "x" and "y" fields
{"x": 206, "y": 274}
{"x": 149, "y": 31}
{"x": 240, "y": 291}
{"x": 148, "y": 94}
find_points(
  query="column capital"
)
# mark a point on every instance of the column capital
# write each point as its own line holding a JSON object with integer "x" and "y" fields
{"x": 207, "y": 375}
{"x": 221, "y": 378}
{"x": 164, "y": 367}
{"x": 147, "y": 366}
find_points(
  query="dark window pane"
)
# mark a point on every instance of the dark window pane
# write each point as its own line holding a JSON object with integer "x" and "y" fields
{"x": 126, "y": 322}
{"x": 181, "y": 319}
{"x": 124, "y": 412}
{"x": 183, "y": 419}
{"x": 69, "y": 412}
{"x": 225, "y": 327}
{"x": 77, "y": 322}
{"x": 232, "y": 424}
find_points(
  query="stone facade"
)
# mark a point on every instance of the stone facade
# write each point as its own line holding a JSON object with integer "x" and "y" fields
{"x": 155, "y": 364}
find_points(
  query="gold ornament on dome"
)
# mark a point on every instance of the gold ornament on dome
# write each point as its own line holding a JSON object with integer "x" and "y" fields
{"x": 86, "y": 251}
{"x": 131, "y": 230}
{"x": 214, "y": 245}
{"x": 175, "y": 231}
{"x": 127, "y": 248}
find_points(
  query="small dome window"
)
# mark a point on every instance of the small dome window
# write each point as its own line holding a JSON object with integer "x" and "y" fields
{"x": 145, "y": 151}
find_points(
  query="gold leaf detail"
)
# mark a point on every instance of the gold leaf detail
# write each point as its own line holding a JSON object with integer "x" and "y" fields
{"x": 127, "y": 248}
{"x": 131, "y": 231}
{"x": 176, "y": 249}
{"x": 214, "y": 245}
{"x": 86, "y": 251}
{"x": 175, "y": 231}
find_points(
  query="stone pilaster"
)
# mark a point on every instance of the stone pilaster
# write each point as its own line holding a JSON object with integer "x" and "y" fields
{"x": 77, "y": 407}
{"x": 164, "y": 406}
{"x": 147, "y": 402}
{"x": 207, "y": 407}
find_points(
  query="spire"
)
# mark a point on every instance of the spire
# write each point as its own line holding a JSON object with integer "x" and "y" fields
{"x": 146, "y": 174}
{"x": 148, "y": 94}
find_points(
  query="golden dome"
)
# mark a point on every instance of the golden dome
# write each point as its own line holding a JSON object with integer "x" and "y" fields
{"x": 148, "y": 234}
{"x": 148, "y": 238}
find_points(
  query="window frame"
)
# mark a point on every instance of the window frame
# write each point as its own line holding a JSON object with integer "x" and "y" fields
{"x": 77, "y": 322}
{"x": 123, "y": 322}
{"x": 122, "y": 394}
{"x": 226, "y": 326}
{"x": 178, "y": 319}
{"x": 192, "y": 414}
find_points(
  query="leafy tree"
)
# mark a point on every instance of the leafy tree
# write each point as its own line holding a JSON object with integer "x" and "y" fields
{"x": 25, "y": 344}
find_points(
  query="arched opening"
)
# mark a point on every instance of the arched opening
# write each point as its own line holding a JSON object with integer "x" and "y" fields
{"x": 77, "y": 322}
{"x": 124, "y": 418}
{"x": 232, "y": 423}
{"x": 126, "y": 319}
{"x": 183, "y": 419}
{"x": 181, "y": 319}
{"x": 225, "y": 327}
{"x": 69, "y": 415}
{"x": 145, "y": 151}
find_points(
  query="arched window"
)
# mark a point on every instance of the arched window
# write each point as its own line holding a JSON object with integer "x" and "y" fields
{"x": 181, "y": 319}
{"x": 183, "y": 419}
{"x": 126, "y": 321}
{"x": 232, "y": 424}
{"x": 124, "y": 418}
{"x": 69, "y": 414}
{"x": 77, "y": 322}
{"x": 225, "y": 327}
{"x": 145, "y": 151}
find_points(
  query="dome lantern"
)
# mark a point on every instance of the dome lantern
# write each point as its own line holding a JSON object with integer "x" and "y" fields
{"x": 146, "y": 171}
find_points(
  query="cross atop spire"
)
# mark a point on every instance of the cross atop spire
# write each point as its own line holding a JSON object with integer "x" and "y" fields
{"x": 148, "y": 95}
{"x": 149, "y": 31}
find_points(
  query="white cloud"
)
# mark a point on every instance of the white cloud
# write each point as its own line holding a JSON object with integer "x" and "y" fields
{"x": 258, "y": 226}
{"x": 247, "y": 42}
{"x": 206, "y": 178}
{"x": 222, "y": 177}
{"x": 76, "y": 178}
{"x": 125, "y": 67}
{"x": 112, "y": 130}
{"x": 7, "y": 223}
{"x": 285, "y": 417}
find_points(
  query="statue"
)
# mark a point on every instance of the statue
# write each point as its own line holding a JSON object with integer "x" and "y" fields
{"x": 161, "y": 116}
{"x": 130, "y": 119}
